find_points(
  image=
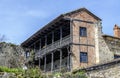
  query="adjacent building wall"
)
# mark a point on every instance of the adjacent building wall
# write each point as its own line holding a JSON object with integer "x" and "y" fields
{"x": 103, "y": 53}
{"x": 113, "y": 43}
{"x": 117, "y": 31}
{"x": 106, "y": 70}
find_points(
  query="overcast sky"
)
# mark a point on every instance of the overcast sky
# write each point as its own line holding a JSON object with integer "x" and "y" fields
{"x": 19, "y": 19}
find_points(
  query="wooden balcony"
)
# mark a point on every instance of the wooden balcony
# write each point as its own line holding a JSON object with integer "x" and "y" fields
{"x": 56, "y": 45}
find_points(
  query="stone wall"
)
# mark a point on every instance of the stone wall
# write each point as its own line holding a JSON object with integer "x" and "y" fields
{"x": 11, "y": 55}
{"x": 108, "y": 47}
{"x": 106, "y": 70}
{"x": 109, "y": 69}
{"x": 113, "y": 44}
{"x": 102, "y": 50}
{"x": 105, "y": 54}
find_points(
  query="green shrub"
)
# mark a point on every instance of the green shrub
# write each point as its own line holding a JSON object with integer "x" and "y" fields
{"x": 36, "y": 73}
{"x": 10, "y": 70}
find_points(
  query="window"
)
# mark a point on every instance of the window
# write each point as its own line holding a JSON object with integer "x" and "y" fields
{"x": 83, "y": 57}
{"x": 116, "y": 56}
{"x": 83, "y": 31}
{"x": 27, "y": 54}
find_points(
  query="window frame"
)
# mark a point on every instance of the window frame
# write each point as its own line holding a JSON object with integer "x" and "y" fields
{"x": 82, "y": 31}
{"x": 27, "y": 54}
{"x": 83, "y": 59}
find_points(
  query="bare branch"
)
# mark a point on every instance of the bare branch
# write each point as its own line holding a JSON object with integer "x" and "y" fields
{"x": 2, "y": 38}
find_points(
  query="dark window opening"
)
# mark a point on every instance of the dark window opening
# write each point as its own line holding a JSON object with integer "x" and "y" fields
{"x": 83, "y": 57}
{"x": 83, "y": 31}
{"x": 43, "y": 43}
{"x": 27, "y": 54}
{"x": 56, "y": 55}
{"x": 116, "y": 56}
{"x": 49, "y": 39}
{"x": 37, "y": 45}
{"x": 57, "y": 35}
{"x": 64, "y": 53}
{"x": 65, "y": 31}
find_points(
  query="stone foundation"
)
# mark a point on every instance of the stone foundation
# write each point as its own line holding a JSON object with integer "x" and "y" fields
{"x": 107, "y": 70}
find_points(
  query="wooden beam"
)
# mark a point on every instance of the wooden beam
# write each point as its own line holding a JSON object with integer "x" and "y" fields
{"x": 68, "y": 62}
{"x": 45, "y": 40}
{"x": 45, "y": 63}
{"x": 71, "y": 30}
{"x": 60, "y": 58}
{"x": 39, "y": 62}
{"x": 90, "y": 22}
{"x": 52, "y": 37}
{"x": 52, "y": 61}
{"x": 40, "y": 45}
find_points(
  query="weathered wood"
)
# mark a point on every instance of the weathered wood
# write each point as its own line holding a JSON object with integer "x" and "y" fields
{"x": 39, "y": 62}
{"x": 40, "y": 45}
{"x": 68, "y": 59}
{"x": 60, "y": 58}
{"x": 60, "y": 34}
{"x": 52, "y": 61}
{"x": 45, "y": 63}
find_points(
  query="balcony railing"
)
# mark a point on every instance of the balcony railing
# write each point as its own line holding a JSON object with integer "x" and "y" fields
{"x": 57, "y": 44}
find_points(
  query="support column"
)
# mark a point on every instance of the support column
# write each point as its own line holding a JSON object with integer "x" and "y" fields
{"x": 60, "y": 59}
{"x": 60, "y": 35}
{"x": 52, "y": 37}
{"x": 71, "y": 40}
{"x": 52, "y": 61}
{"x": 33, "y": 63}
{"x": 45, "y": 64}
{"x": 45, "y": 41}
{"x": 70, "y": 56}
{"x": 39, "y": 62}
{"x": 68, "y": 59}
{"x": 71, "y": 30}
{"x": 40, "y": 45}
{"x": 34, "y": 47}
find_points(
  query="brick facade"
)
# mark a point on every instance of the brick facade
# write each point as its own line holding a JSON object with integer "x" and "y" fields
{"x": 117, "y": 31}
{"x": 85, "y": 44}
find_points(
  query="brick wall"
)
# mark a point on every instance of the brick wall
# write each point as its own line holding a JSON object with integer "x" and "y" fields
{"x": 83, "y": 44}
{"x": 106, "y": 70}
{"x": 98, "y": 49}
{"x": 117, "y": 31}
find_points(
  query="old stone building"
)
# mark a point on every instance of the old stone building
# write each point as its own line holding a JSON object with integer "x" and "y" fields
{"x": 73, "y": 40}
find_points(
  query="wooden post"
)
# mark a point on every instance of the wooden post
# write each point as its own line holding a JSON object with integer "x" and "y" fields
{"x": 39, "y": 62}
{"x": 52, "y": 61}
{"x": 70, "y": 56}
{"x": 60, "y": 59}
{"x": 34, "y": 47}
{"x": 52, "y": 37}
{"x": 45, "y": 40}
{"x": 40, "y": 45}
{"x": 68, "y": 59}
{"x": 71, "y": 30}
{"x": 61, "y": 32}
{"x": 71, "y": 40}
{"x": 45, "y": 64}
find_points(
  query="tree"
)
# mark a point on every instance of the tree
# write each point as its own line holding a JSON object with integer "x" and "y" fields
{"x": 2, "y": 38}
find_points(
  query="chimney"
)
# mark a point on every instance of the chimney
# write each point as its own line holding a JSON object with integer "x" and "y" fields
{"x": 116, "y": 31}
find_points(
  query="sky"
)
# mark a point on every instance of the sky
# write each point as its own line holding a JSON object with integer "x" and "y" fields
{"x": 19, "y": 19}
